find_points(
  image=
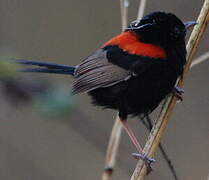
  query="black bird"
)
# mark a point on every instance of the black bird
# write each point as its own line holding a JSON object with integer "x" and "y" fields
{"x": 134, "y": 71}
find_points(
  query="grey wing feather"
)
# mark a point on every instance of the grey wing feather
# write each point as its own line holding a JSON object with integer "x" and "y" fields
{"x": 96, "y": 72}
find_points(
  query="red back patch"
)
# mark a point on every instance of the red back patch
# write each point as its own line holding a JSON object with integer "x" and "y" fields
{"x": 128, "y": 42}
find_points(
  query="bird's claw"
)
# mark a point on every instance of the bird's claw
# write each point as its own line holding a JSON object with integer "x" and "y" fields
{"x": 178, "y": 92}
{"x": 147, "y": 160}
{"x": 144, "y": 157}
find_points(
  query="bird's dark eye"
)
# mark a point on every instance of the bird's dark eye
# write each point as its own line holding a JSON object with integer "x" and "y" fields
{"x": 176, "y": 32}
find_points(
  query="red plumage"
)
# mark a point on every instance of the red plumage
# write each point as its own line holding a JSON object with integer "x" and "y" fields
{"x": 130, "y": 42}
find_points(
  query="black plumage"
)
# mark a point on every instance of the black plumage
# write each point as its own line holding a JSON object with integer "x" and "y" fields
{"x": 134, "y": 71}
{"x": 132, "y": 83}
{"x": 141, "y": 87}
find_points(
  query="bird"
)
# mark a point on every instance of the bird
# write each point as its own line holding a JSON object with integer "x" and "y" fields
{"x": 132, "y": 72}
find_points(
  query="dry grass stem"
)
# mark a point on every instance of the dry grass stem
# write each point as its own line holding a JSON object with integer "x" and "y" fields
{"x": 115, "y": 136}
{"x": 124, "y": 4}
{"x": 141, "y": 9}
{"x": 200, "y": 59}
{"x": 160, "y": 125}
{"x": 112, "y": 149}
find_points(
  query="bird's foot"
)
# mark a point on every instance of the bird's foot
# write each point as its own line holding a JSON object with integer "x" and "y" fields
{"x": 178, "y": 92}
{"x": 147, "y": 160}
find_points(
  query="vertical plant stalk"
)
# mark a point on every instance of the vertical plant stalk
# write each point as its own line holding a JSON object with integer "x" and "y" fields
{"x": 124, "y": 4}
{"x": 141, "y": 9}
{"x": 114, "y": 141}
{"x": 112, "y": 150}
{"x": 160, "y": 125}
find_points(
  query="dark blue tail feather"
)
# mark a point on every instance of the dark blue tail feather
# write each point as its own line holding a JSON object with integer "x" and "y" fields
{"x": 44, "y": 67}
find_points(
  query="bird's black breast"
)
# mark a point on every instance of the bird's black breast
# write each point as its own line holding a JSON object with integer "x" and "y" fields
{"x": 152, "y": 80}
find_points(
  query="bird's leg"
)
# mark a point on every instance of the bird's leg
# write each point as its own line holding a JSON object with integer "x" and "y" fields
{"x": 140, "y": 154}
{"x": 178, "y": 92}
{"x": 131, "y": 135}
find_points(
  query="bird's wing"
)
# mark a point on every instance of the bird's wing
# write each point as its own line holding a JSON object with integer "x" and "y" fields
{"x": 97, "y": 72}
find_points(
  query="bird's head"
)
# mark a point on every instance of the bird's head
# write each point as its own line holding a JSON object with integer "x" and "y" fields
{"x": 160, "y": 28}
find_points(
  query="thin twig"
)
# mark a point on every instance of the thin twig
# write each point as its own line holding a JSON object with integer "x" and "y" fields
{"x": 160, "y": 125}
{"x": 115, "y": 136}
{"x": 141, "y": 9}
{"x": 112, "y": 149}
{"x": 200, "y": 59}
{"x": 148, "y": 124}
{"x": 124, "y": 4}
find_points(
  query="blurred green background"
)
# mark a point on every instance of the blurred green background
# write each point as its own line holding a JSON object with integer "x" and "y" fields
{"x": 34, "y": 146}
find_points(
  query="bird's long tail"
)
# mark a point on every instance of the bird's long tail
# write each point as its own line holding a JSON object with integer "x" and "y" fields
{"x": 44, "y": 67}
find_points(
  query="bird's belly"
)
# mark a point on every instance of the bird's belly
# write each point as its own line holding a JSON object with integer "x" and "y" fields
{"x": 143, "y": 98}
{"x": 139, "y": 95}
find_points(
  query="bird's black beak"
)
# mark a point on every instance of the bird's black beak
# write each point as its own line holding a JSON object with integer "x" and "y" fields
{"x": 189, "y": 24}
